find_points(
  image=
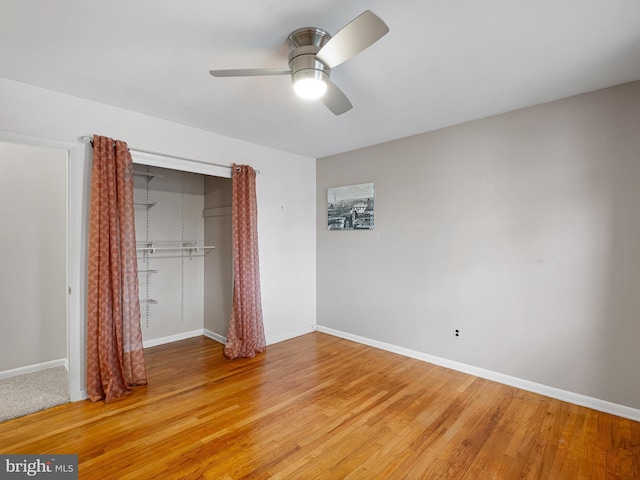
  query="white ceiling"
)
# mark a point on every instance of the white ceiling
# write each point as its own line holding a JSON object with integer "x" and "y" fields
{"x": 443, "y": 62}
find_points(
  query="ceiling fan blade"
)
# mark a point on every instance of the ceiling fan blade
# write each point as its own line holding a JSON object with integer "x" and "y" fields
{"x": 362, "y": 32}
{"x": 335, "y": 100}
{"x": 250, "y": 72}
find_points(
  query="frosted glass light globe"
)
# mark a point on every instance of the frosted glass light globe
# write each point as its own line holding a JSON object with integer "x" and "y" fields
{"x": 310, "y": 88}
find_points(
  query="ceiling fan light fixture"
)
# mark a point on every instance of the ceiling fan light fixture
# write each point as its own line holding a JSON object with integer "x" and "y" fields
{"x": 310, "y": 88}
{"x": 309, "y": 83}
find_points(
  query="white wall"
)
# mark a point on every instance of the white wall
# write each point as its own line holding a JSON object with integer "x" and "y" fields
{"x": 33, "y": 255}
{"x": 522, "y": 230}
{"x": 285, "y": 188}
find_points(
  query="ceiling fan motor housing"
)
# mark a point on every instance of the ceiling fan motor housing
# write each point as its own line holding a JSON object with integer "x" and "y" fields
{"x": 305, "y": 43}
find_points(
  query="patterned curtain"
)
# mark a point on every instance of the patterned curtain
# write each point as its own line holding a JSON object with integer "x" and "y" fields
{"x": 246, "y": 330}
{"x": 114, "y": 338}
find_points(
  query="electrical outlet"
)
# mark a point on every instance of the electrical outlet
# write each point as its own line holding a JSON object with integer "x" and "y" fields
{"x": 456, "y": 333}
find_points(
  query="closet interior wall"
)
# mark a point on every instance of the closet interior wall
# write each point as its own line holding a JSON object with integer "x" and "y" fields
{"x": 173, "y": 262}
{"x": 218, "y": 272}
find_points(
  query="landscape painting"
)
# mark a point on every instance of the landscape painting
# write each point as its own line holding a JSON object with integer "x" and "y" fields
{"x": 350, "y": 207}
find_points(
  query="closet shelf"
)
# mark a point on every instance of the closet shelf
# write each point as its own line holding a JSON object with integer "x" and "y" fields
{"x": 146, "y": 205}
{"x": 159, "y": 245}
{"x": 147, "y": 272}
{"x": 149, "y": 175}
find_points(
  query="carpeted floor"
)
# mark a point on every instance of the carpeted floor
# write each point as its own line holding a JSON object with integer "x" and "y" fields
{"x": 32, "y": 392}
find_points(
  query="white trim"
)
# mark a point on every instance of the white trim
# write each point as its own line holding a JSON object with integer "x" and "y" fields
{"x": 215, "y": 336}
{"x": 270, "y": 341}
{"x": 290, "y": 335}
{"x": 172, "y": 338}
{"x": 552, "y": 392}
{"x": 61, "y": 362}
{"x": 76, "y": 255}
{"x": 157, "y": 160}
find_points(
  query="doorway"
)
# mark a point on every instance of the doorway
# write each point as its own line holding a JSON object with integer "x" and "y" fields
{"x": 33, "y": 252}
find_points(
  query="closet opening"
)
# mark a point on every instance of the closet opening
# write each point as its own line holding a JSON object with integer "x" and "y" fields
{"x": 184, "y": 248}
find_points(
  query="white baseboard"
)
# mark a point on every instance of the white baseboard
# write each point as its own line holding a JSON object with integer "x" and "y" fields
{"x": 172, "y": 338}
{"x": 215, "y": 336}
{"x": 290, "y": 335}
{"x": 270, "y": 340}
{"x": 552, "y": 392}
{"x": 35, "y": 368}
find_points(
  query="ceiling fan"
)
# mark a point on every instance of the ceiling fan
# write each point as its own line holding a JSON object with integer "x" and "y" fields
{"x": 314, "y": 53}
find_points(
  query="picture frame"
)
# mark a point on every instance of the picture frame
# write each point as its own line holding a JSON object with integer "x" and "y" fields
{"x": 351, "y": 207}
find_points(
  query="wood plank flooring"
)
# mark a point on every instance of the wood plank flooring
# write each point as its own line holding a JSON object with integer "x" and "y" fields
{"x": 320, "y": 407}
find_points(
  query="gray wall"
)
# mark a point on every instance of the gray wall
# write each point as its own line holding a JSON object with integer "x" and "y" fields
{"x": 218, "y": 263}
{"x": 522, "y": 230}
{"x": 33, "y": 255}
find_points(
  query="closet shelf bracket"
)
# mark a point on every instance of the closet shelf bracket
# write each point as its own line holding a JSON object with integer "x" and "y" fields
{"x": 148, "y": 175}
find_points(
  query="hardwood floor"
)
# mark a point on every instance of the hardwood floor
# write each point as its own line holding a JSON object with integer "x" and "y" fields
{"x": 320, "y": 407}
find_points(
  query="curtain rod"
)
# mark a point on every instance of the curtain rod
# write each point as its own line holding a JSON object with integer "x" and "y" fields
{"x": 87, "y": 139}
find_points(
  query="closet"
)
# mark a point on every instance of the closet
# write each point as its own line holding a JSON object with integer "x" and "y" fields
{"x": 183, "y": 236}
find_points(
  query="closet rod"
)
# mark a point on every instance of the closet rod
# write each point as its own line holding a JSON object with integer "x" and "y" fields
{"x": 87, "y": 139}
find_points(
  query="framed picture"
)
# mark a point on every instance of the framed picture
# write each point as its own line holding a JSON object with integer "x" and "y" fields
{"x": 350, "y": 207}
